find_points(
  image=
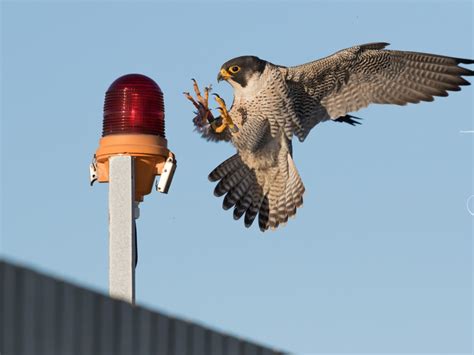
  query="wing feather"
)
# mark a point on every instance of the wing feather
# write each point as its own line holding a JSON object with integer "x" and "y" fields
{"x": 355, "y": 77}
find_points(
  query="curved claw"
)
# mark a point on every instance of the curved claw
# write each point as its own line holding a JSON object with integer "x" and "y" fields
{"x": 204, "y": 115}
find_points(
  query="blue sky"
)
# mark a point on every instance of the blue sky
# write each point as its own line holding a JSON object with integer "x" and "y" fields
{"x": 379, "y": 259}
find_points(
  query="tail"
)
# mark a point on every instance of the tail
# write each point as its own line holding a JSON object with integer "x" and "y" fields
{"x": 274, "y": 194}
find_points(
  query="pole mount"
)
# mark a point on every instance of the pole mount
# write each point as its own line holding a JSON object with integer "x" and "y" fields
{"x": 151, "y": 155}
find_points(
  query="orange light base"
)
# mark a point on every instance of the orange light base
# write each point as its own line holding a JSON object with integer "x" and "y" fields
{"x": 150, "y": 152}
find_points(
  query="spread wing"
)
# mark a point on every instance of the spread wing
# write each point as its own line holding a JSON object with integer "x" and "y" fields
{"x": 355, "y": 77}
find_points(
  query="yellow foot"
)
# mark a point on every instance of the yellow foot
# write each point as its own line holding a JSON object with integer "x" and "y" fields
{"x": 226, "y": 119}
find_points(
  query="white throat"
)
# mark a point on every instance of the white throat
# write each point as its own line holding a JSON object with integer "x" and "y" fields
{"x": 254, "y": 85}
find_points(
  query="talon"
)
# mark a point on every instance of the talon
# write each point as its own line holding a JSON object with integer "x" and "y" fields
{"x": 202, "y": 100}
{"x": 221, "y": 103}
{"x": 206, "y": 94}
{"x": 190, "y": 98}
{"x": 204, "y": 113}
{"x": 227, "y": 120}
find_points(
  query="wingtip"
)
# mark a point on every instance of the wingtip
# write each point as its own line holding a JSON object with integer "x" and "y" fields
{"x": 467, "y": 72}
{"x": 375, "y": 45}
{"x": 464, "y": 61}
{"x": 349, "y": 119}
{"x": 213, "y": 176}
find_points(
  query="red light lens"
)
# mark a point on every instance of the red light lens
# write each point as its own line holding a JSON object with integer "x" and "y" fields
{"x": 134, "y": 104}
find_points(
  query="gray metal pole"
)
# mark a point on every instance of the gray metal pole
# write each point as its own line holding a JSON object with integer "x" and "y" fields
{"x": 121, "y": 231}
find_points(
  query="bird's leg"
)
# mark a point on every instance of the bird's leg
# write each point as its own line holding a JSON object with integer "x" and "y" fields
{"x": 204, "y": 114}
{"x": 226, "y": 119}
{"x": 202, "y": 103}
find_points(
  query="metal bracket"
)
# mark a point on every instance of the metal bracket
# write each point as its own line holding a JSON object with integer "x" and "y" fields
{"x": 93, "y": 171}
{"x": 136, "y": 210}
{"x": 166, "y": 176}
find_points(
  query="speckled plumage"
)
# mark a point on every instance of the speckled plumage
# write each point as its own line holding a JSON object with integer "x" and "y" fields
{"x": 272, "y": 103}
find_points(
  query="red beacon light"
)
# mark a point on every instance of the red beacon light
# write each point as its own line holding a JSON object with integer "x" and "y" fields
{"x": 134, "y": 104}
{"x": 134, "y": 124}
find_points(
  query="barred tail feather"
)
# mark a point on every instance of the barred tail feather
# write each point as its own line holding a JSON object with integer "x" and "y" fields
{"x": 254, "y": 207}
{"x": 286, "y": 194}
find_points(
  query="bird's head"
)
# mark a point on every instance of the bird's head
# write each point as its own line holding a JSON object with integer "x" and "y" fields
{"x": 239, "y": 71}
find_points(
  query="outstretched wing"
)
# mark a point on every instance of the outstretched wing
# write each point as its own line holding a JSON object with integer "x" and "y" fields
{"x": 355, "y": 77}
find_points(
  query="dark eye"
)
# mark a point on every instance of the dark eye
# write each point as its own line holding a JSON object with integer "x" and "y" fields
{"x": 234, "y": 69}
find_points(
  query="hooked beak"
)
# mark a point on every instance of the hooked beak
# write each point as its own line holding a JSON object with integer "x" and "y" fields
{"x": 223, "y": 75}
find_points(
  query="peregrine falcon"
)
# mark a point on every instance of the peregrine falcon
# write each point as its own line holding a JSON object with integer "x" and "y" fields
{"x": 272, "y": 103}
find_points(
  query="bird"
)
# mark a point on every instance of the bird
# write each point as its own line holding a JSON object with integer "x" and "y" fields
{"x": 274, "y": 103}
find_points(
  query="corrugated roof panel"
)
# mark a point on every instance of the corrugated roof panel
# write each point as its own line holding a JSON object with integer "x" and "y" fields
{"x": 42, "y": 315}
